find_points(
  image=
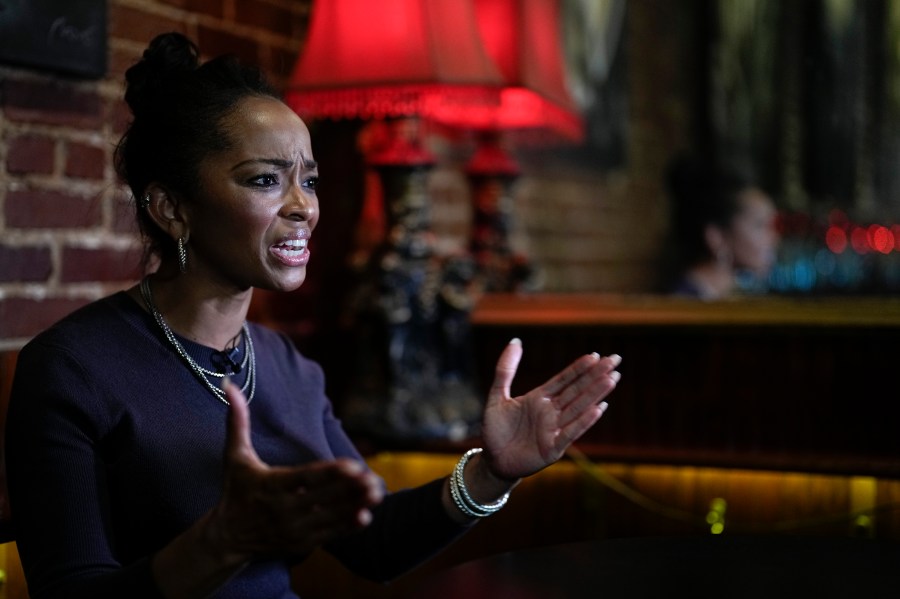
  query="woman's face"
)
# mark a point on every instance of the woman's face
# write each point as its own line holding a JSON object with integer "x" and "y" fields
{"x": 754, "y": 239}
{"x": 251, "y": 221}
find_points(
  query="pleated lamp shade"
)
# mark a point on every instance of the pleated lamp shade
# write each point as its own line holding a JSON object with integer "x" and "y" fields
{"x": 522, "y": 37}
{"x": 393, "y": 58}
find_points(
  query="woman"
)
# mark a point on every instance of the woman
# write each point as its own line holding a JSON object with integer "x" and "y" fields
{"x": 160, "y": 446}
{"x": 724, "y": 226}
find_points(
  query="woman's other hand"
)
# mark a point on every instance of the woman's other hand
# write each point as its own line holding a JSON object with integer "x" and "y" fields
{"x": 268, "y": 510}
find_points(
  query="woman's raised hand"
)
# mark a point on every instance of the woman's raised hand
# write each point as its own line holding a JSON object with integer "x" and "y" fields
{"x": 525, "y": 434}
{"x": 267, "y": 510}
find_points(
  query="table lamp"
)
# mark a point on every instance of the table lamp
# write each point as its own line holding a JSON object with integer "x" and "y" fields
{"x": 399, "y": 64}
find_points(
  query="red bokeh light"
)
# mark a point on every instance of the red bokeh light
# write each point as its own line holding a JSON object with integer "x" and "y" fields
{"x": 880, "y": 239}
{"x": 859, "y": 240}
{"x": 836, "y": 239}
{"x": 895, "y": 229}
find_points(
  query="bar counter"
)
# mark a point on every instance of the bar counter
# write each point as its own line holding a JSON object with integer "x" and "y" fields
{"x": 768, "y": 382}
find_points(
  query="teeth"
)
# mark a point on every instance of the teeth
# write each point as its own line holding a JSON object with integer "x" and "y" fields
{"x": 295, "y": 243}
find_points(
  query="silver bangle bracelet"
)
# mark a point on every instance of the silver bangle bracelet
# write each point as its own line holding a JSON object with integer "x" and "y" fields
{"x": 460, "y": 493}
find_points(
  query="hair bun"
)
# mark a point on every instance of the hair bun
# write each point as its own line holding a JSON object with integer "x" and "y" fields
{"x": 169, "y": 55}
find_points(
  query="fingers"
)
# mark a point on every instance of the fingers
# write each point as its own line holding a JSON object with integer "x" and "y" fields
{"x": 276, "y": 508}
{"x": 343, "y": 480}
{"x": 238, "y": 446}
{"x": 265, "y": 515}
{"x": 507, "y": 365}
{"x": 339, "y": 502}
{"x": 586, "y": 391}
{"x": 569, "y": 433}
{"x": 580, "y": 375}
{"x": 338, "y": 506}
{"x": 581, "y": 402}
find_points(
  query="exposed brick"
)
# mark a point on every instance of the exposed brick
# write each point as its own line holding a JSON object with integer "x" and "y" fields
{"x": 24, "y": 264}
{"x": 47, "y": 209}
{"x": 124, "y": 219}
{"x": 120, "y": 60}
{"x": 30, "y": 154}
{"x": 119, "y": 116}
{"x": 214, "y": 42}
{"x": 214, "y": 8}
{"x": 140, "y": 26}
{"x": 101, "y": 264}
{"x": 274, "y": 19}
{"x": 85, "y": 161}
{"x": 280, "y": 63}
{"x": 25, "y": 318}
{"x": 51, "y": 102}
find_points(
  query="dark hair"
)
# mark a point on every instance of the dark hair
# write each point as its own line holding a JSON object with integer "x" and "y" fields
{"x": 702, "y": 192}
{"x": 178, "y": 106}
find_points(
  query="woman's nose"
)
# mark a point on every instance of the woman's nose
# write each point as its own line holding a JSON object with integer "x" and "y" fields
{"x": 299, "y": 206}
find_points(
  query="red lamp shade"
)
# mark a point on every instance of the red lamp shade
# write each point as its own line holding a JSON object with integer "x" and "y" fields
{"x": 522, "y": 38}
{"x": 392, "y": 58}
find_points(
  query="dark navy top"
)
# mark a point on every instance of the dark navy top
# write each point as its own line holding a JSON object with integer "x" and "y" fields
{"x": 114, "y": 447}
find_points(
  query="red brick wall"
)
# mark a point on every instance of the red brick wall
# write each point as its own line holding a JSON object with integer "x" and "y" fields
{"x": 66, "y": 228}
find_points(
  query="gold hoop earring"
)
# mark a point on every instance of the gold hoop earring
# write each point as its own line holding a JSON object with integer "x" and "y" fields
{"x": 182, "y": 255}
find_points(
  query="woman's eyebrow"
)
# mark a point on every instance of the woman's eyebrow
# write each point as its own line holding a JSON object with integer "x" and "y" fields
{"x": 308, "y": 163}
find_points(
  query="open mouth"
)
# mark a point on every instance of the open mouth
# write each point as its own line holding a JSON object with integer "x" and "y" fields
{"x": 291, "y": 251}
{"x": 293, "y": 247}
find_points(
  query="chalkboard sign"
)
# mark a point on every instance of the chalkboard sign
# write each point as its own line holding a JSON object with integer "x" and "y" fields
{"x": 67, "y": 36}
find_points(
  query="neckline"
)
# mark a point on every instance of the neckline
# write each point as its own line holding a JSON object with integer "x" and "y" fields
{"x": 149, "y": 321}
{"x": 174, "y": 344}
{"x": 202, "y": 354}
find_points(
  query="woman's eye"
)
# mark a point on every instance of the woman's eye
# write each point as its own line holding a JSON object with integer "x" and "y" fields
{"x": 311, "y": 183}
{"x": 264, "y": 181}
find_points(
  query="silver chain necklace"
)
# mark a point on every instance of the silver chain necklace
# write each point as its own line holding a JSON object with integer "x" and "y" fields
{"x": 192, "y": 364}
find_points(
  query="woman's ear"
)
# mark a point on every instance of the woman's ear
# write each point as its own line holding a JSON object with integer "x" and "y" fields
{"x": 166, "y": 210}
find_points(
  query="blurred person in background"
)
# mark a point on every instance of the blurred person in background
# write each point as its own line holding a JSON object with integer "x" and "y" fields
{"x": 723, "y": 227}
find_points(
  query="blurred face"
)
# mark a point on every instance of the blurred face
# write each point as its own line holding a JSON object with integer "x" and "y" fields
{"x": 753, "y": 237}
{"x": 251, "y": 221}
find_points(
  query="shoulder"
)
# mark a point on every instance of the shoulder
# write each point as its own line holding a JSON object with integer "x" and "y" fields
{"x": 98, "y": 344}
{"x": 89, "y": 327}
{"x": 276, "y": 349}
{"x": 77, "y": 359}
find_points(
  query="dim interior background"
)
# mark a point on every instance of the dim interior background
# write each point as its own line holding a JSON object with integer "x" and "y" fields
{"x": 808, "y": 92}
{"x": 805, "y": 91}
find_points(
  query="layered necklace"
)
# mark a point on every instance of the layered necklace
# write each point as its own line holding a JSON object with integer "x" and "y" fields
{"x": 204, "y": 374}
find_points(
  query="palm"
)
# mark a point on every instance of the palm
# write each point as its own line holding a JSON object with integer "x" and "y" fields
{"x": 524, "y": 434}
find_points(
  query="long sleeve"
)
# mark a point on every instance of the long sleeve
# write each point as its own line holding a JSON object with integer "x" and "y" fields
{"x": 407, "y": 529}
{"x": 52, "y": 454}
{"x": 114, "y": 448}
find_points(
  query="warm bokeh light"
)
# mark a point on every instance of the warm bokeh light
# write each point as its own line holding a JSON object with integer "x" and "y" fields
{"x": 859, "y": 240}
{"x": 863, "y": 239}
{"x": 880, "y": 239}
{"x": 836, "y": 239}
